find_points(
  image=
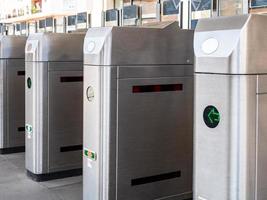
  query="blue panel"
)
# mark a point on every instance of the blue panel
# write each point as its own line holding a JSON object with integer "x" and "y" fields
{"x": 258, "y": 3}
{"x": 112, "y": 15}
{"x": 194, "y": 23}
{"x": 171, "y": 7}
{"x": 198, "y": 5}
{"x": 130, "y": 12}
{"x": 72, "y": 20}
{"x": 82, "y": 18}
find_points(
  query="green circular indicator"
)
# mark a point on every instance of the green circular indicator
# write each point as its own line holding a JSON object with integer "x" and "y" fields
{"x": 29, "y": 82}
{"x": 211, "y": 116}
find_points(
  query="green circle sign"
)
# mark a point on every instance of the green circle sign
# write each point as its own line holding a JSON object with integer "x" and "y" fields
{"x": 211, "y": 116}
{"x": 29, "y": 82}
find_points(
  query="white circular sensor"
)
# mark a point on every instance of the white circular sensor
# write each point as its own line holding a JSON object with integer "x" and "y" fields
{"x": 91, "y": 46}
{"x": 210, "y": 46}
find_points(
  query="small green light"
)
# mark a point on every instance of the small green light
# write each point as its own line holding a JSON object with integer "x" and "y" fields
{"x": 90, "y": 154}
{"x": 211, "y": 116}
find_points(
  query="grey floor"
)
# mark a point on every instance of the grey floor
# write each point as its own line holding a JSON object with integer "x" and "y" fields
{"x": 15, "y": 185}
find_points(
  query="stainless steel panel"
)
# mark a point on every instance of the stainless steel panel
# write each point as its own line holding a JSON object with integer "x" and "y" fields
{"x": 54, "y": 102}
{"x": 262, "y": 84}
{"x": 225, "y": 156}
{"x": 12, "y": 103}
{"x": 64, "y": 119}
{"x": 36, "y": 111}
{"x": 3, "y": 102}
{"x": 155, "y": 71}
{"x": 100, "y": 131}
{"x": 114, "y": 129}
{"x": 15, "y": 102}
{"x": 154, "y": 137}
{"x": 132, "y": 45}
{"x": 55, "y": 47}
{"x": 12, "y": 46}
{"x": 234, "y": 45}
{"x": 261, "y": 142}
{"x": 124, "y": 138}
{"x": 54, "y": 110}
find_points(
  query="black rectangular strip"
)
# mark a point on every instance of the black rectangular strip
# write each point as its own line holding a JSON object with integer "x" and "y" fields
{"x": 71, "y": 148}
{"x": 71, "y": 79}
{"x": 21, "y": 73}
{"x": 157, "y": 88}
{"x": 21, "y": 129}
{"x": 156, "y": 178}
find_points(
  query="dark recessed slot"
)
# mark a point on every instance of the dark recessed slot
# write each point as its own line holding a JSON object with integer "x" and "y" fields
{"x": 71, "y": 79}
{"x": 71, "y": 148}
{"x": 21, "y": 73}
{"x": 156, "y": 178}
{"x": 21, "y": 129}
{"x": 157, "y": 88}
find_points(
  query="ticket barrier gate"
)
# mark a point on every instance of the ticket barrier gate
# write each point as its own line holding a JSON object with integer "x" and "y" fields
{"x": 230, "y": 109}
{"x": 54, "y": 79}
{"x": 12, "y": 90}
{"x": 138, "y": 109}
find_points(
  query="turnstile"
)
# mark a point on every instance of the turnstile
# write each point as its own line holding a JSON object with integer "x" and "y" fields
{"x": 138, "y": 110}
{"x": 54, "y": 79}
{"x": 230, "y": 109}
{"x": 12, "y": 98}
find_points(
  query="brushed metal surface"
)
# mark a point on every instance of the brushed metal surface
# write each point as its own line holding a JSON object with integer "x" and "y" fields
{"x": 137, "y": 135}
{"x": 64, "y": 118}
{"x": 261, "y": 175}
{"x": 3, "y": 118}
{"x": 154, "y": 137}
{"x": 230, "y": 160}
{"x": 12, "y": 47}
{"x": 15, "y": 102}
{"x": 55, "y": 47}
{"x": 12, "y": 97}
{"x": 225, "y": 156}
{"x": 132, "y": 46}
{"x": 36, "y": 112}
{"x": 242, "y": 45}
{"x": 54, "y": 107}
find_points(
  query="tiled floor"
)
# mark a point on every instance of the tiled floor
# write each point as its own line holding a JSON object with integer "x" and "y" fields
{"x": 15, "y": 185}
